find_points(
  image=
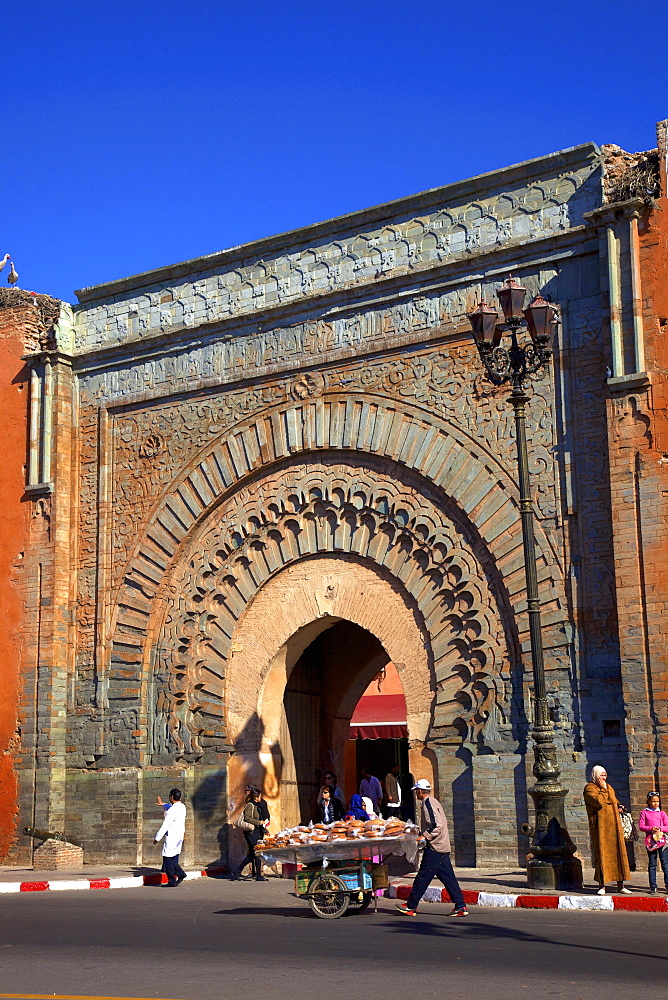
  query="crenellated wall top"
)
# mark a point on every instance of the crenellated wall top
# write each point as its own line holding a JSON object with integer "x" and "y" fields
{"x": 539, "y": 199}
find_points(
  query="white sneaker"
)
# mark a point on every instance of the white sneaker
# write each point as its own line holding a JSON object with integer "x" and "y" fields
{"x": 601, "y": 891}
{"x": 624, "y": 891}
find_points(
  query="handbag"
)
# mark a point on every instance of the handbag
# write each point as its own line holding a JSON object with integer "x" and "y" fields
{"x": 657, "y": 841}
{"x": 242, "y": 824}
{"x": 628, "y": 827}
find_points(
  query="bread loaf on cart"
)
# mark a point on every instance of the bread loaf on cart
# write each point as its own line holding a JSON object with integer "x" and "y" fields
{"x": 340, "y": 870}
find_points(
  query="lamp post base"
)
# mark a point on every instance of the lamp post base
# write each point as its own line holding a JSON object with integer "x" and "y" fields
{"x": 555, "y": 873}
{"x": 551, "y": 862}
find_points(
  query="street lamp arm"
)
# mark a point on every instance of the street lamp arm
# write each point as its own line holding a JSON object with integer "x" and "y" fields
{"x": 517, "y": 363}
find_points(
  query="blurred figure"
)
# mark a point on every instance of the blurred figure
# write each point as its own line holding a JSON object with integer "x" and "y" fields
{"x": 330, "y": 781}
{"x": 393, "y": 792}
{"x": 372, "y": 788}
{"x": 367, "y": 805}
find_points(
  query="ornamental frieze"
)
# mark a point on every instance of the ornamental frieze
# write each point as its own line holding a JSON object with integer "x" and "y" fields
{"x": 253, "y": 352}
{"x": 152, "y": 446}
{"x": 438, "y": 235}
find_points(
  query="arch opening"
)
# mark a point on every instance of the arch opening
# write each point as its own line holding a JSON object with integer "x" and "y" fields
{"x": 343, "y": 620}
{"x": 321, "y": 693}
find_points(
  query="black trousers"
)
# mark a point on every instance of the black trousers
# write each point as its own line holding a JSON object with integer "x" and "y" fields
{"x": 435, "y": 865}
{"x": 173, "y": 869}
{"x": 252, "y": 838}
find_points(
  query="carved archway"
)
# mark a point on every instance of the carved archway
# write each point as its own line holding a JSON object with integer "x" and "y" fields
{"x": 394, "y": 526}
{"x": 459, "y": 472}
{"x": 292, "y": 609}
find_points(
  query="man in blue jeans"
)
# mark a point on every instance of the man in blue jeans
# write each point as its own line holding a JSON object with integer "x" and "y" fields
{"x": 436, "y": 858}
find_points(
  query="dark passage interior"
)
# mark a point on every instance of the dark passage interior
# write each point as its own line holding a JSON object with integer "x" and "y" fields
{"x": 320, "y": 697}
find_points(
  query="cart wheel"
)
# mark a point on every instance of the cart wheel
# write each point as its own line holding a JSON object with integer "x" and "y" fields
{"x": 358, "y": 905}
{"x": 330, "y": 899}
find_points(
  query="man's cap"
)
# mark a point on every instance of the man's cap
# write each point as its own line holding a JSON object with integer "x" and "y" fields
{"x": 423, "y": 784}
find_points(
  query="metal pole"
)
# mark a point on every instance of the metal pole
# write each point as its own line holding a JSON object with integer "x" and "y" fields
{"x": 551, "y": 863}
{"x": 518, "y": 399}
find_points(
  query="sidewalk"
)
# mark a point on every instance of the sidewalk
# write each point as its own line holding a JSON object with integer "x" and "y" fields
{"x": 481, "y": 886}
{"x": 14, "y": 879}
{"x": 508, "y": 888}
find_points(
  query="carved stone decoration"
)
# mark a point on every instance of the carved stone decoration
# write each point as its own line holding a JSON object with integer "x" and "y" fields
{"x": 308, "y": 385}
{"x": 151, "y": 446}
{"x": 342, "y": 506}
{"x": 432, "y": 235}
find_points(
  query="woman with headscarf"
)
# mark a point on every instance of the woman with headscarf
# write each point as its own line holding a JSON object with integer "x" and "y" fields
{"x": 367, "y": 805}
{"x": 605, "y": 828}
{"x": 357, "y": 810}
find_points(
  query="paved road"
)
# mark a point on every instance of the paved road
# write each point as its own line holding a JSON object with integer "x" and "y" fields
{"x": 214, "y": 940}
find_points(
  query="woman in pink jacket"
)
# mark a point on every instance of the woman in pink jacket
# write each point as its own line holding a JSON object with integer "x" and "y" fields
{"x": 654, "y": 824}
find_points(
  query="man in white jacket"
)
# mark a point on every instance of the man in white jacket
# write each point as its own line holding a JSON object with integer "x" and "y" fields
{"x": 173, "y": 829}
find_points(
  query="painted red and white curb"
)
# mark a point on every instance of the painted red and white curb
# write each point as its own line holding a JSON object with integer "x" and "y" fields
{"x": 120, "y": 882}
{"x": 646, "y": 904}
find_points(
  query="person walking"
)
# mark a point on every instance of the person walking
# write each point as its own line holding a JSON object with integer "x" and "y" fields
{"x": 393, "y": 792}
{"x": 173, "y": 829}
{"x": 253, "y": 829}
{"x": 371, "y": 787}
{"x": 654, "y": 823}
{"x": 436, "y": 857}
{"x": 611, "y": 863}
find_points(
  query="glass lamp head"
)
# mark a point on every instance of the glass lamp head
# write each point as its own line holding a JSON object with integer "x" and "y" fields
{"x": 541, "y": 317}
{"x": 511, "y": 296}
{"x": 483, "y": 322}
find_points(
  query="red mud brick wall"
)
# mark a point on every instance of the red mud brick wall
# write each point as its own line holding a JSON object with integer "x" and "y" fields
{"x": 654, "y": 271}
{"x": 14, "y": 320}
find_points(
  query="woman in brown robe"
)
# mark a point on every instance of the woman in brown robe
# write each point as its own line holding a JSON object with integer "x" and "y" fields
{"x": 605, "y": 827}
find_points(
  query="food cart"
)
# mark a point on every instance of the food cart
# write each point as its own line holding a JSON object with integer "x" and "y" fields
{"x": 341, "y": 876}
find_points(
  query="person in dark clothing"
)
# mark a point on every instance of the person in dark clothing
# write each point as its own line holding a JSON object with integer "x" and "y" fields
{"x": 256, "y": 815}
{"x": 331, "y": 808}
{"x": 393, "y": 792}
{"x": 263, "y": 810}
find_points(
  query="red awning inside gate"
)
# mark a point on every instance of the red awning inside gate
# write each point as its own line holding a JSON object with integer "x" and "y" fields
{"x": 379, "y": 717}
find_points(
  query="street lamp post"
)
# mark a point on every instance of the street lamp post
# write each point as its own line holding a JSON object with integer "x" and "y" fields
{"x": 552, "y": 864}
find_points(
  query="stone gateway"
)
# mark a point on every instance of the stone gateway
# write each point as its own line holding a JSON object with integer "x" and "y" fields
{"x": 255, "y": 479}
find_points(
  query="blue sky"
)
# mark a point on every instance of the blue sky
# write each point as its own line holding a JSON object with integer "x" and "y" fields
{"x": 136, "y": 134}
